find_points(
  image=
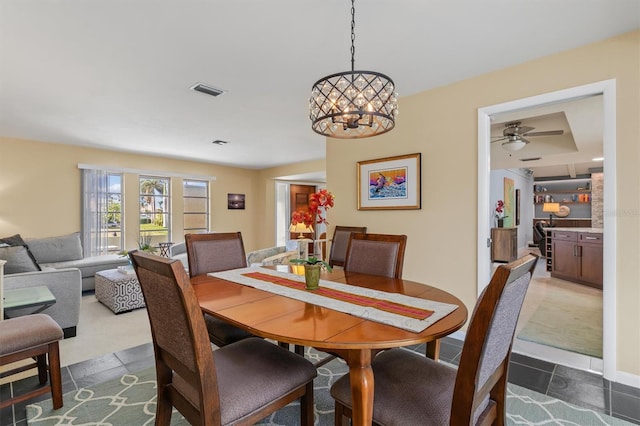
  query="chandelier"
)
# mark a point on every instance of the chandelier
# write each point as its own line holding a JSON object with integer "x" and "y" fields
{"x": 353, "y": 104}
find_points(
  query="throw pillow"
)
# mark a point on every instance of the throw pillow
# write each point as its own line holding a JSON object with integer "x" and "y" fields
{"x": 16, "y": 240}
{"x": 56, "y": 249}
{"x": 18, "y": 260}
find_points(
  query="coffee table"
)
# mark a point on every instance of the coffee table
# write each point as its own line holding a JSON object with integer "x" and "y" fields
{"x": 39, "y": 297}
{"x": 119, "y": 290}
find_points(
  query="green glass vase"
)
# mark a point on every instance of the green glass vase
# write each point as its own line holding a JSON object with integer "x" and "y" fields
{"x": 312, "y": 276}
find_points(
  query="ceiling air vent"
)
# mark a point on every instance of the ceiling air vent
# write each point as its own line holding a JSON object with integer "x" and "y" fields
{"x": 208, "y": 90}
{"x": 530, "y": 159}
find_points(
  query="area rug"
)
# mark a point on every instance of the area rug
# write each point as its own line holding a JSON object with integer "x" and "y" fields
{"x": 567, "y": 320}
{"x": 131, "y": 401}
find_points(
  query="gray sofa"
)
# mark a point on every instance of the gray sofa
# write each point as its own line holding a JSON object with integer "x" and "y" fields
{"x": 59, "y": 264}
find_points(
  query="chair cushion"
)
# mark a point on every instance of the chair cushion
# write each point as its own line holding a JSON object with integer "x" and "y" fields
{"x": 21, "y": 333}
{"x": 251, "y": 373}
{"x": 408, "y": 386}
{"x": 222, "y": 333}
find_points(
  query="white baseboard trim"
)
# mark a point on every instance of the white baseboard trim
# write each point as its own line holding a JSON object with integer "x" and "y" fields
{"x": 628, "y": 379}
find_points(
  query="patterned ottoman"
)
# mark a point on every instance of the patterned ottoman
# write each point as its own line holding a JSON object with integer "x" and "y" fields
{"x": 119, "y": 290}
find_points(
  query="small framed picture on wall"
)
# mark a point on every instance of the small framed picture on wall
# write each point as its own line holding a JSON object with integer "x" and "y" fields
{"x": 235, "y": 201}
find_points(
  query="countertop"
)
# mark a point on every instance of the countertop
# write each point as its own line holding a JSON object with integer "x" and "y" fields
{"x": 591, "y": 230}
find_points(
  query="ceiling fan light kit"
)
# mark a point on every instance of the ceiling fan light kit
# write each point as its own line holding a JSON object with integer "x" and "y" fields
{"x": 353, "y": 104}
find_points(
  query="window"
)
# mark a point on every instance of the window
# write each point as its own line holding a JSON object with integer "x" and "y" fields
{"x": 196, "y": 205}
{"x": 102, "y": 212}
{"x": 155, "y": 216}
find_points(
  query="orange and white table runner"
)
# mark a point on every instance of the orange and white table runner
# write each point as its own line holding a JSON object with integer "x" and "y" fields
{"x": 398, "y": 310}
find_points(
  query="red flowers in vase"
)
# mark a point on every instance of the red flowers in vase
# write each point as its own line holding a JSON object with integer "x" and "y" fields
{"x": 319, "y": 202}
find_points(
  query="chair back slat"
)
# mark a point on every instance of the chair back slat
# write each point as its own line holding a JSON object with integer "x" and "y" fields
{"x": 215, "y": 252}
{"x": 376, "y": 254}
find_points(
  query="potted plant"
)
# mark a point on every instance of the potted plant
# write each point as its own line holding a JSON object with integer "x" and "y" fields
{"x": 312, "y": 268}
{"x": 500, "y": 214}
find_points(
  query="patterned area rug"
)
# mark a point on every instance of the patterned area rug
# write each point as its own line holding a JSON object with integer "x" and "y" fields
{"x": 131, "y": 401}
{"x": 574, "y": 326}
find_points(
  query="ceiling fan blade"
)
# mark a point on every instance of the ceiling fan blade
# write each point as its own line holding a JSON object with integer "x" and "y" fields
{"x": 525, "y": 129}
{"x": 496, "y": 140}
{"x": 524, "y": 140}
{"x": 547, "y": 133}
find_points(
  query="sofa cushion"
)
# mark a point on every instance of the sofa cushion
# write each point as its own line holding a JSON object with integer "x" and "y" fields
{"x": 16, "y": 240}
{"x": 18, "y": 260}
{"x": 56, "y": 249}
{"x": 90, "y": 265}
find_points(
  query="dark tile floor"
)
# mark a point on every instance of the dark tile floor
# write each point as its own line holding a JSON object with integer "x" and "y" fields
{"x": 574, "y": 386}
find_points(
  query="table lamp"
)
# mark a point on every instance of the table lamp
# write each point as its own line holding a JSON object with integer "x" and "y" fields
{"x": 551, "y": 208}
{"x": 303, "y": 243}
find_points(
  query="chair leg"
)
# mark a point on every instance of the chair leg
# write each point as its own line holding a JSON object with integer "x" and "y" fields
{"x": 163, "y": 403}
{"x": 41, "y": 362}
{"x": 339, "y": 414}
{"x": 54, "y": 375}
{"x": 306, "y": 406}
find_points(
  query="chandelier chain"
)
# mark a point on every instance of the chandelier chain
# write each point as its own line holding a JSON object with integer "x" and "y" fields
{"x": 353, "y": 33}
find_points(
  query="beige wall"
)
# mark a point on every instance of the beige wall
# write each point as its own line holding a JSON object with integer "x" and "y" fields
{"x": 53, "y": 207}
{"x": 40, "y": 190}
{"x": 442, "y": 125}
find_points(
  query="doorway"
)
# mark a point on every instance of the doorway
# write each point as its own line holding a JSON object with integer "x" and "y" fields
{"x": 607, "y": 90}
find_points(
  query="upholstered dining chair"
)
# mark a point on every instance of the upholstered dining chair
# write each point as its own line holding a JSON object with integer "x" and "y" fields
{"x": 215, "y": 252}
{"x": 412, "y": 389}
{"x": 339, "y": 242}
{"x": 239, "y": 383}
{"x": 376, "y": 254}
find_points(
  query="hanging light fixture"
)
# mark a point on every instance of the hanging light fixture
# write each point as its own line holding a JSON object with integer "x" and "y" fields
{"x": 353, "y": 104}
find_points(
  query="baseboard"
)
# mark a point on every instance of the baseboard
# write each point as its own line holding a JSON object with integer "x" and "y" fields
{"x": 628, "y": 379}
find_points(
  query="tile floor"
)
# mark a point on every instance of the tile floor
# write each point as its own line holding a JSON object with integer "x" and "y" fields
{"x": 578, "y": 387}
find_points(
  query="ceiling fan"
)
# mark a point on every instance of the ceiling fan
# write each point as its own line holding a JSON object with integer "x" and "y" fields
{"x": 513, "y": 135}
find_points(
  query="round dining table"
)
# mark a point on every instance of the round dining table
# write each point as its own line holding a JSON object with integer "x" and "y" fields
{"x": 354, "y": 339}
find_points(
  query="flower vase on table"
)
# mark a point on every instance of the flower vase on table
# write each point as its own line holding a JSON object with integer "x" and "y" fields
{"x": 312, "y": 276}
{"x": 312, "y": 268}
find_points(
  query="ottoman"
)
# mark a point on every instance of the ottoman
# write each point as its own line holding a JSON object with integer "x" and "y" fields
{"x": 119, "y": 290}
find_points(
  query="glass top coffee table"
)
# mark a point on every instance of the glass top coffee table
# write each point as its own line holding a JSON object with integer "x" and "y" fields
{"x": 30, "y": 297}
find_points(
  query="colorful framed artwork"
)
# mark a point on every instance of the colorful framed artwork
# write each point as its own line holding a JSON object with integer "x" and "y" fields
{"x": 391, "y": 183}
{"x": 235, "y": 201}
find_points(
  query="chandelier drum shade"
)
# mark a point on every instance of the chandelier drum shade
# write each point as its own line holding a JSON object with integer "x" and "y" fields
{"x": 353, "y": 104}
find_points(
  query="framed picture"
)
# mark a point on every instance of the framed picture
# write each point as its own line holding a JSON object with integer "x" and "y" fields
{"x": 235, "y": 201}
{"x": 509, "y": 203}
{"x": 391, "y": 183}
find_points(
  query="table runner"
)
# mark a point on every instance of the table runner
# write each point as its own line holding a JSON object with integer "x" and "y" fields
{"x": 397, "y": 301}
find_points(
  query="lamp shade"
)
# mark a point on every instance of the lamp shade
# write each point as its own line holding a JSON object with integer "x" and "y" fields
{"x": 301, "y": 228}
{"x": 551, "y": 207}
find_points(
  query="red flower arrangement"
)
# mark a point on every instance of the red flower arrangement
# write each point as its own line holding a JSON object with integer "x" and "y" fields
{"x": 319, "y": 203}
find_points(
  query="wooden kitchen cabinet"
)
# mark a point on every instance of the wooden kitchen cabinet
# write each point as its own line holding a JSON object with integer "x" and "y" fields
{"x": 504, "y": 244}
{"x": 577, "y": 257}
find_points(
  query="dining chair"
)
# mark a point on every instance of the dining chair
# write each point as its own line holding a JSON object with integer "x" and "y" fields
{"x": 215, "y": 252}
{"x": 376, "y": 254}
{"x": 33, "y": 341}
{"x": 411, "y": 389}
{"x": 239, "y": 383}
{"x": 339, "y": 242}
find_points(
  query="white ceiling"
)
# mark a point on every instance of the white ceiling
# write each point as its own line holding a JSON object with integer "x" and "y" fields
{"x": 116, "y": 74}
{"x": 570, "y": 154}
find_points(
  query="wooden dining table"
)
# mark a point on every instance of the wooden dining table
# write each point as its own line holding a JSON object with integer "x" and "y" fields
{"x": 354, "y": 339}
